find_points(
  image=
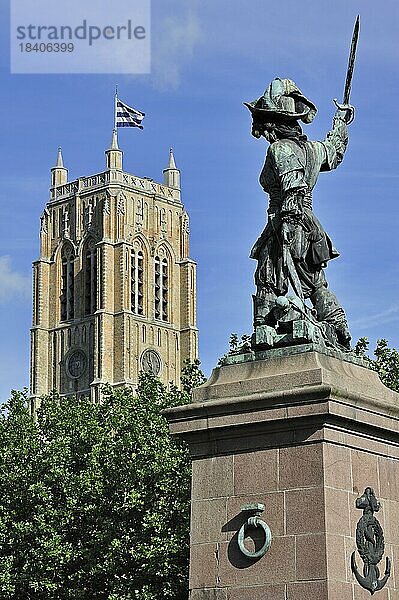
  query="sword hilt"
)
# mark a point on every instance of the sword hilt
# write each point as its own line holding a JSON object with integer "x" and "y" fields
{"x": 347, "y": 108}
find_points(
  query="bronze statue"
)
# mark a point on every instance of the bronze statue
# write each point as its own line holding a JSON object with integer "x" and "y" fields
{"x": 294, "y": 248}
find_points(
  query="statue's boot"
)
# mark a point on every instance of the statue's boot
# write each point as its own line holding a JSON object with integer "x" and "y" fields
{"x": 264, "y": 302}
{"x": 328, "y": 309}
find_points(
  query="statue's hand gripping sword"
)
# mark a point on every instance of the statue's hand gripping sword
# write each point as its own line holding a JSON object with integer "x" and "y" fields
{"x": 349, "y": 74}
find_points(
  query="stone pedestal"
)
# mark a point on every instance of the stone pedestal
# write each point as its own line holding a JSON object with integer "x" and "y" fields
{"x": 303, "y": 434}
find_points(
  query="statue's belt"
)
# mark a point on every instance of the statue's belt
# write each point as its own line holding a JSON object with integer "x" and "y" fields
{"x": 275, "y": 205}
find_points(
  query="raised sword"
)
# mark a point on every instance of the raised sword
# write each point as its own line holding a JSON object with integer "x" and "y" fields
{"x": 351, "y": 68}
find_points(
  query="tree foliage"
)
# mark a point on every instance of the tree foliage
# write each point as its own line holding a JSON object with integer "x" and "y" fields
{"x": 385, "y": 361}
{"x": 94, "y": 499}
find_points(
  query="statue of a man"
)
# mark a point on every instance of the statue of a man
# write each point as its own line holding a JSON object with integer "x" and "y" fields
{"x": 294, "y": 248}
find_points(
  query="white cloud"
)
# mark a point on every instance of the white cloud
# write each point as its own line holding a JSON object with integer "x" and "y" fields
{"x": 385, "y": 316}
{"x": 174, "y": 45}
{"x": 13, "y": 285}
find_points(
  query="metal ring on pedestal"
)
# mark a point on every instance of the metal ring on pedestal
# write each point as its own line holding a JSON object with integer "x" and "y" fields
{"x": 254, "y": 522}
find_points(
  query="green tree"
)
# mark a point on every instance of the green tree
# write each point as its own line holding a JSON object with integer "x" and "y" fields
{"x": 94, "y": 499}
{"x": 233, "y": 341}
{"x": 385, "y": 361}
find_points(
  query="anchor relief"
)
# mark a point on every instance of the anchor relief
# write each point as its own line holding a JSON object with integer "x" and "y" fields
{"x": 370, "y": 544}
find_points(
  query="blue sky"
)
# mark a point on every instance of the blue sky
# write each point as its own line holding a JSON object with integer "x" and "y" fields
{"x": 207, "y": 58}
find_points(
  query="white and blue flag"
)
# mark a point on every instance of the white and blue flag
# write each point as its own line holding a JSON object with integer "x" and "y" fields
{"x": 126, "y": 116}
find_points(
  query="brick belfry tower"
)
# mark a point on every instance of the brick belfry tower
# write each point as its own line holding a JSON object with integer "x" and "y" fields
{"x": 114, "y": 289}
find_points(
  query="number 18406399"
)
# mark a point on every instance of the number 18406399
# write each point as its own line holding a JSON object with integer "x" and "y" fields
{"x": 47, "y": 47}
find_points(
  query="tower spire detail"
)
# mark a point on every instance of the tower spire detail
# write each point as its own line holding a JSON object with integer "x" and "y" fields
{"x": 114, "y": 154}
{"x": 59, "y": 174}
{"x": 114, "y": 143}
{"x": 172, "y": 173}
{"x": 172, "y": 164}
{"x": 60, "y": 160}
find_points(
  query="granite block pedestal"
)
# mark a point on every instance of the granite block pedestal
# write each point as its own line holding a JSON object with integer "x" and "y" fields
{"x": 304, "y": 435}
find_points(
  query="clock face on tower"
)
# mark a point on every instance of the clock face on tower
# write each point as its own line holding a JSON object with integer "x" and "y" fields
{"x": 151, "y": 361}
{"x": 76, "y": 364}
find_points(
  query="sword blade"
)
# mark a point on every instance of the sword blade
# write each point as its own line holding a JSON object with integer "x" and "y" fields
{"x": 351, "y": 63}
{"x": 292, "y": 273}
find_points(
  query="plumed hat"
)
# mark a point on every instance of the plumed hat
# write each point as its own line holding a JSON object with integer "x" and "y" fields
{"x": 282, "y": 99}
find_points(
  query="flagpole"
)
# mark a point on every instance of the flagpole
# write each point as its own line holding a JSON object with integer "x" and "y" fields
{"x": 115, "y": 107}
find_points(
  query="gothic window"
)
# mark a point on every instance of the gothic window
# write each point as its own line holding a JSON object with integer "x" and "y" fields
{"x": 55, "y": 359}
{"x": 60, "y": 221}
{"x": 90, "y": 277}
{"x": 53, "y": 219}
{"x": 136, "y": 282}
{"x": 67, "y": 284}
{"x": 161, "y": 288}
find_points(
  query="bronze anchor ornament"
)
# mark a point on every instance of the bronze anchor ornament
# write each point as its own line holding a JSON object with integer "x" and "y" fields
{"x": 370, "y": 544}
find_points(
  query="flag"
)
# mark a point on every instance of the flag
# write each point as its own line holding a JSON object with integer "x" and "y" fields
{"x": 126, "y": 116}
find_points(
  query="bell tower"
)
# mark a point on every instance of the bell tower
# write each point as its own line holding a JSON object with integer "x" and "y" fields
{"x": 114, "y": 289}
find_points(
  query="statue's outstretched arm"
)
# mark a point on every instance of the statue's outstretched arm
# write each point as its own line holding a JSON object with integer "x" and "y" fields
{"x": 336, "y": 140}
